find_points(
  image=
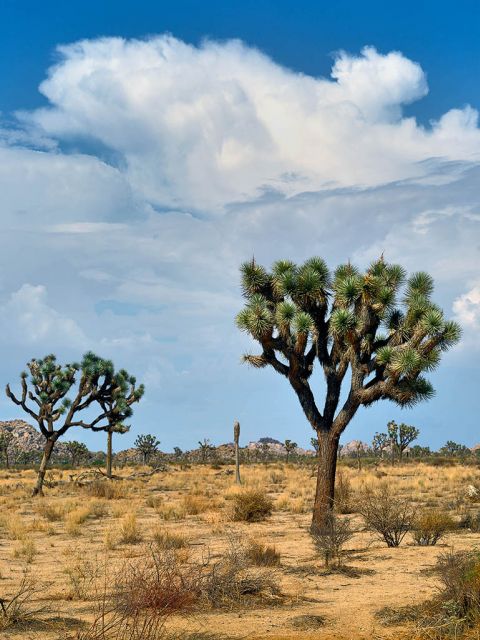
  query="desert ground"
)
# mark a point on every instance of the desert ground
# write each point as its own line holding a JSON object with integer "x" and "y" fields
{"x": 70, "y": 546}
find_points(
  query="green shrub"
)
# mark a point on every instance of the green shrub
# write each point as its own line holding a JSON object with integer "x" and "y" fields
{"x": 385, "y": 513}
{"x": 330, "y": 539}
{"x": 430, "y": 525}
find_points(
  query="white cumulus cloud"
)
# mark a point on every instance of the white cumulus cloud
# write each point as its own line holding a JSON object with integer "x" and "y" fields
{"x": 200, "y": 127}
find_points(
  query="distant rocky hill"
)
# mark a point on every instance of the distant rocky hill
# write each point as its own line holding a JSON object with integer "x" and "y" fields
{"x": 27, "y": 439}
{"x": 275, "y": 447}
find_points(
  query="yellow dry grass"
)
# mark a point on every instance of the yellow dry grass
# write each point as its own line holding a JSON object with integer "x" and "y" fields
{"x": 66, "y": 539}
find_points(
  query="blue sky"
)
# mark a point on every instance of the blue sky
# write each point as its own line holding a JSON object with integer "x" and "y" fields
{"x": 138, "y": 169}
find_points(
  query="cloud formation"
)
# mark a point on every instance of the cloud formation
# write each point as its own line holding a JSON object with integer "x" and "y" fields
{"x": 201, "y": 127}
{"x": 157, "y": 167}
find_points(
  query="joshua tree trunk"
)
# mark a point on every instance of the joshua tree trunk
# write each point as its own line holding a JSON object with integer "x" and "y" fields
{"x": 327, "y": 466}
{"x": 236, "y": 437}
{"x": 109, "y": 454}
{"x": 47, "y": 452}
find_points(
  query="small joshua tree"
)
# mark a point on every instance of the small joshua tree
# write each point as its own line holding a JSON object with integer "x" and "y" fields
{"x": 236, "y": 440}
{"x": 205, "y": 449}
{"x": 6, "y": 442}
{"x": 147, "y": 445}
{"x": 177, "y": 452}
{"x": 363, "y": 329}
{"x": 51, "y": 395}
{"x": 289, "y": 448}
{"x": 77, "y": 452}
{"x": 451, "y": 448}
{"x": 400, "y": 436}
{"x": 379, "y": 443}
{"x": 118, "y": 406}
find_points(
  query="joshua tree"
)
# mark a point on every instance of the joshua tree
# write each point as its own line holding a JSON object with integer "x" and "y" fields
{"x": 236, "y": 439}
{"x": 352, "y": 327}
{"x": 118, "y": 406}
{"x": 77, "y": 451}
{"x": 205, "y": 449}
{"x": 289, "y": 448}
{"x": 400, "y": 436}
{"x": 418, "y": 451}
{"x": 6, "y": 440}
{"x": 451, "y": 448}
{"x": 147, "y": 445}
{"x": 178, "y": 453}
{"x": 379, "y": 443}
{"x": 45, "y": 398}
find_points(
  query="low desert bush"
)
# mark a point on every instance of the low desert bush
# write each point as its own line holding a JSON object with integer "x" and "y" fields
{"x": 459, "y": 574}
{"x": 386, "y": 513}
{"x": 262, "y": 555}
{"x": 17, "y": 608}
{"x": 330, "y": 539}
{"x": 130, "y": 532}
{"x": 82, "y": 574}
{"x": 160, "y": 581}
{"x": 251, "y": 506}
{"x": 430, "y": 525}
{"x": 457, "y": 606}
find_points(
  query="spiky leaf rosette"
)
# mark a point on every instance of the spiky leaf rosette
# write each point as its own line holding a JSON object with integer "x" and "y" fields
{"x": 383, "y": 328}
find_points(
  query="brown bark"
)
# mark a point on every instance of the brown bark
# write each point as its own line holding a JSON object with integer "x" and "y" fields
{"x": 47, "y": 452}
{"x": 109, "y": 454}
{"x": 327, "y": 466}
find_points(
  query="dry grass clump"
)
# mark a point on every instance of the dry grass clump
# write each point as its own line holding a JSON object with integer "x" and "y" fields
{"x": 130, "y": 532}
{"x": 25, "y": 550}
{"x": 49, "y": 511}
{"x": 74, "y": 519}
{"x": 430, "y": 525}
{"x": 344, "y": 502}
{"x": 262, "y": 555}
{"x": 386, "y": 513}
{"x": 169, "y": 540}
{"x": 251, "y": 506}
{"x": 194, "y": 505}
{"x": 107, "y": 489}
{"x": 154, "y": 502}
{"x": 171, "y": 512}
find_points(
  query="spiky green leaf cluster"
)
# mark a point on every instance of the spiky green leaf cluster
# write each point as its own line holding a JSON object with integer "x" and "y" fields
{"x": 376, "y": 320}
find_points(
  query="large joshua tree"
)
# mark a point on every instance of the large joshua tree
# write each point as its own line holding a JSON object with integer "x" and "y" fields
{"x": 51, "y": 395}
{"x": 373, "y": 334}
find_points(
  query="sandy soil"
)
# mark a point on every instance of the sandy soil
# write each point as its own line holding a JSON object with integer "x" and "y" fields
{"x": 49, "y": 544}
